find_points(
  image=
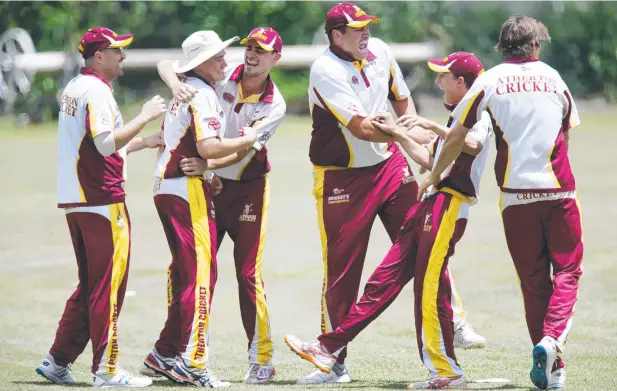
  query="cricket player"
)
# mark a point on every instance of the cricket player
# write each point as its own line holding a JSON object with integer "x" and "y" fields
{"x": 92, "y": 146}
{"x": 359, "y": 171}
{"x": 532, "y": 112}
{"x": 186, "y": 210}
{"x": 425, "y": 243}
{"x": 249, "y": 98}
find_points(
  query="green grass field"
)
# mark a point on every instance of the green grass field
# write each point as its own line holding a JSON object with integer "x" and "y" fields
{"x": 39, "y": 273}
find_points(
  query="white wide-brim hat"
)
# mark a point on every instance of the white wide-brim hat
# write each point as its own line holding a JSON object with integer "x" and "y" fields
{"x": 199, "y": 47}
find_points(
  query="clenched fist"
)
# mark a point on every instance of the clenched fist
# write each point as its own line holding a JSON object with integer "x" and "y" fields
{"x": 153, "y": 108}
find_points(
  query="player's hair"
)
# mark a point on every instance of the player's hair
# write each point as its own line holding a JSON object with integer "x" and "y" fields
{"x": 468, "y": 77}
{"x": 519, "y": 35}
{"x": 341, "y": 29}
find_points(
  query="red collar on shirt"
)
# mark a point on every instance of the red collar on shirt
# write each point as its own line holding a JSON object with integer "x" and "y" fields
{"x": 196, "y": 76}
{"x": 267, "y": 96}
{"x": 93, "y": 73}
{"x": 449, "y": 106}
{"x": 338, "y": 52}
{"x": 520, "y": 60}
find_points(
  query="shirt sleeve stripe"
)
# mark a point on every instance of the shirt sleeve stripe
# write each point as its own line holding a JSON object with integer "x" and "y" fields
{"x": 329, "y": 108}
{"x": 196, "y": 124}
{"x": 569, "y": 121}
{"x": 470, "y": 114}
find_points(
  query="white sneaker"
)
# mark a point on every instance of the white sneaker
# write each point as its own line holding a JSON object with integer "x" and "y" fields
{"x": 311, "y": 352}
{"x": 144, "y": 370}
{"x": 121, "y": 379}
{"x": 544, "y": 355}
{"x": 467, "y": 338}
{"x": 440, "y": 383}
{"x": 259, "y": 374}
{"x": 339, "y": 374}
{"x": 558, "y": 379}
{"x": 54, "y": 372}
{"x": 182, "y": 373}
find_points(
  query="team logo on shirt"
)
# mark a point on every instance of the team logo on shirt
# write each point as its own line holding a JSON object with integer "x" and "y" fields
{"x": 227, "y": 97}
{"x": 173, "y": 106}
{"x": 246, "y": 214}
{"x": 407, "y": 177}
{"x": 352, "y": 107}
{"x": 214, "y": 124}
{"x": 427, "y": 227}
{"x": 68, "y": 105}
{"x": 105, "y": 120}
{"x": 339, "y": 197}
{"x": 264, "y": 137}
{"x": 354, "y": 80}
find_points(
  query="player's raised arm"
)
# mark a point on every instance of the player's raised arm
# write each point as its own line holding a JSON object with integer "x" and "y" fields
{"x": 181, "y": 91}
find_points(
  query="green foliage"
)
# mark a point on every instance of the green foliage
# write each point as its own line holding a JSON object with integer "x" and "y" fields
{"x": 584, "y": 34}
{"x": 584, "y": 38}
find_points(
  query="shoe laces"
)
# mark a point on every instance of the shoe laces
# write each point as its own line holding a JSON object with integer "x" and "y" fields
{"x": 254, "y": 369}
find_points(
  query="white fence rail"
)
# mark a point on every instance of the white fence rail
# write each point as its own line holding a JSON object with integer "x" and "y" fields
{"x": 19, "y": 60}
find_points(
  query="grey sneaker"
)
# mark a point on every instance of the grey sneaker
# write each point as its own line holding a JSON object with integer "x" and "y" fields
{"x": 259, "y": 374}
{"x": 121, "y": 379}
{"x": 467, "y": 338}
{"x": 54, "y": 372}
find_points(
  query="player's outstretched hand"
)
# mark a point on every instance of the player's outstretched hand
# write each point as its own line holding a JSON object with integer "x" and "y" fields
{"x": 429, "y": 180}
{"x": 155, "y": 140}
{"x": 183, "y": 92}
{"x": 153, "y": 108}
{"x": 385, "y": 123}
{"x": 408, "y": 121}
{"x": 193, "y": 166}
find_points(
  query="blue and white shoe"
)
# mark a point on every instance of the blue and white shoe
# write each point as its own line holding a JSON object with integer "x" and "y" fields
{"x": 558, "y": 379}
{"x": 121, "y": 379}
{"x": 54, "y": 372}
{"x": 544, "y": 356}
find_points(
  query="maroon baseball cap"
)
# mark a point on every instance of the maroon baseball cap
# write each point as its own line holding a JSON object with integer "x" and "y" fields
{"x": 267, "y": 37}
{"x": 100, "y": 38}
{"x": 347, "y": 14}
{"x": 459, "y": 63}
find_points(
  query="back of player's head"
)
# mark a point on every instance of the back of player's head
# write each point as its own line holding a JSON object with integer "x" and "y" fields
{"x": 520, "y": 35}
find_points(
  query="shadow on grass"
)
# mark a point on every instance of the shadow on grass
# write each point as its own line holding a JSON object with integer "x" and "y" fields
{"x": 162, "y": 383}
{"x": 44, "y": 383}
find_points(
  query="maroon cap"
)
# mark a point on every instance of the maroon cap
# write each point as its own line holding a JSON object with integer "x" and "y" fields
{"x": 100, "y": 38}
{"x": 459, "y": 63}
{"x": 267, "y": 37}
{"x": 347, "y": 14}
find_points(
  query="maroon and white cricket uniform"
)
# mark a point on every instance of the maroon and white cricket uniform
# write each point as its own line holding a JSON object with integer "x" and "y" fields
{"x": 242, "y": 206}
{"x": 422, "y": 250}
{"x": 532, "y": 110}
{"x": 355, "y": 180}
{"x": 91, "y": 191}
{"x": 186, "y": 210}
